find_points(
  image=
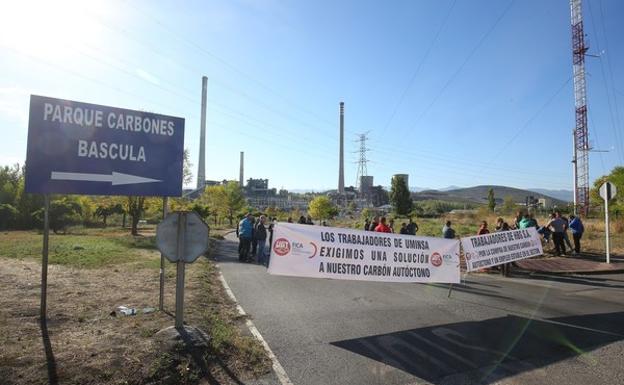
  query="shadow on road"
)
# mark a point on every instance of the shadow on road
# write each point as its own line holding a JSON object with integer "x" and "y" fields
{"x": 470, "y": 290}
{"x": 47, "y": 346}
{"x": 575, "y": 279}
{"x": 495, "y": 348}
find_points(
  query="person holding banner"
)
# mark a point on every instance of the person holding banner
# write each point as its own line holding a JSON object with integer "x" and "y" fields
{"x": 483, "y": 229}
{"x": 558, "y": 227}
{"x": 447, "y": 231}
{"x": 382, "y": 227}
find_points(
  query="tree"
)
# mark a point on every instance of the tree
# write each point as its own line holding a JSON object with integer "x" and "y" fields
{"x": 322, "y": 208}
{"x": 400, "y": 196}
{"x": 135, "y": 208}
{"x": 63, "y": 213}
{"x": 509, "y": 205}
{"x": 202, "y": 210}
{"x": 8, "y": 216}
{"x": 616, "y": 176}
{"x": 107, "y": 209}
{"x": 491, "y": 199}
{"x": 187, "y": 174}
{"x": 227, "y": 199}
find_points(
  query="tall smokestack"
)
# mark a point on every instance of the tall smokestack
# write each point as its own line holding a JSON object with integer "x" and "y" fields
{"x": 341, "y": 189}
{"x": 201, "y": 167}
{"x": 242, "y": 169}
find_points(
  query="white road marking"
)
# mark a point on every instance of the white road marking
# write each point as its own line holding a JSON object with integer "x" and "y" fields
{"x": 277, "y": 367}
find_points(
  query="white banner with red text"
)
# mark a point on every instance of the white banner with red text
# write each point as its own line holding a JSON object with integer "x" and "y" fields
{"x": 337, "y": 253}
{"x": 482, "y": 251}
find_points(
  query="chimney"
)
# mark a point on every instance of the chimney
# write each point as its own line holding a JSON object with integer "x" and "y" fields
{"x": 341, "y": 189}
{"x": 201, "y": 167}
{"x": 240, "y": 177}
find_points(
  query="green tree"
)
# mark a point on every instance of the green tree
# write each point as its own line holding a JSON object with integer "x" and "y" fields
{"x": 227, "y": 199}
{"x": 616, "y": 176}
{"x": 322, "y": 208}
{"x": 491, "y": 199}
{"x": 63, "y": 213}
{"x": 202, "y": 210}
{"x": 104, "y": 210}
{"x": 187, "y": 174}
{"x": 135, "y": 207}
{"x": 509, "y": 205}
{"x": 8, "y": 216}
{"x": 400, "y": 197}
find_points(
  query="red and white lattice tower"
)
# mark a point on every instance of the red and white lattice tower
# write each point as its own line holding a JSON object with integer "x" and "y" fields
{"x": 581, "y": 141}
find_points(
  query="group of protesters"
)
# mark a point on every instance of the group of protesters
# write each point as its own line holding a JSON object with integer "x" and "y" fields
{"x": 556, "y": 228}
{"x": 253, "y": 233}
{"x": 383, "y": 225}
{"x": 252, "y": 237}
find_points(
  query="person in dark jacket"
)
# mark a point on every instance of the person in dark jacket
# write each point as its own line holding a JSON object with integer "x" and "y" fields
{"x": 366, "y": 224}
{"x": 447, "y": 231}
{"x": 245, "y": 231}
{"x": 577, "y": 232}
{"x": 260, "y": 234}
{"x": 404, "y": 229}
{"x": 412, "y": 227}
{"x": 302, "y": 220}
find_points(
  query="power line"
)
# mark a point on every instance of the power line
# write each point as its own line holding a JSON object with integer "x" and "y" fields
{"x": 616, "y": 136}
{"x": 418, "y": 67}
{"x": 461, "y": 67}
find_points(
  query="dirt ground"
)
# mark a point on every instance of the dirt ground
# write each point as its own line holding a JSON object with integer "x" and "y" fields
{"x": 85, "y": 344}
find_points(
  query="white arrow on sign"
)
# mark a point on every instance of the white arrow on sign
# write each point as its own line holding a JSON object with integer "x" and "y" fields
{"x": 116, "y": 178}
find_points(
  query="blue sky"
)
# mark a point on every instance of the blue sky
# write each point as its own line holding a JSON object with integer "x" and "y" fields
{"x": 462, "y": 92}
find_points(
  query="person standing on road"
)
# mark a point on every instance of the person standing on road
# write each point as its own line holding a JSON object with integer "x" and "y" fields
{"x": 577, "y": 232}
{"x": 302, "y": 220}
{"x": 382, "y": 227}
{"x": 260, "y": 234}
{"x": 245, "y": 230}
{"x": 558, "y": 227}
{"x": 366, "y": 224}
{"x": 447, "y": 231}
{"x": 483, "y": 229}
{"x": 391, "y": 225}
{"x": 403, "y": 229}
{"x": 412, "y": 227}
{"x": 309, "y": 220}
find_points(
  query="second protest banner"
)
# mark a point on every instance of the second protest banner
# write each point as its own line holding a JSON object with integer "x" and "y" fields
{"x": 493, "y": 249}
{"x": 337, "y": 253}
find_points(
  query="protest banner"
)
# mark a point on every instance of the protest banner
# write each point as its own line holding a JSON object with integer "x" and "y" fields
{"x": 494, "y": 249}
{"x": 337, "y": 253}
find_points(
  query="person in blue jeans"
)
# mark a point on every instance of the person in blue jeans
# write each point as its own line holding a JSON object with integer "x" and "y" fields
{"x": 260, "y": 235}
{"x": 245, "y": 233}
{"x": 577, "y": 232}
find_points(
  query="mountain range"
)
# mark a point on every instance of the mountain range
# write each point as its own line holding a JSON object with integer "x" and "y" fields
{"x": 479, "y": 194}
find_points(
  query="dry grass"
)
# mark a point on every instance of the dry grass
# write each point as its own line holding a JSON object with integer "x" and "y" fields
{"x": 89, "y": 346}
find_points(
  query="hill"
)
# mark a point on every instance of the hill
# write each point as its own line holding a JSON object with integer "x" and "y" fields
{"x": 478, "y": 194}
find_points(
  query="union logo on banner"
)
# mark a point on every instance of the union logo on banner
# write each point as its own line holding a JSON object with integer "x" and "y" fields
{"x": 281, "y": 246}
{"x": 436, "y": 259}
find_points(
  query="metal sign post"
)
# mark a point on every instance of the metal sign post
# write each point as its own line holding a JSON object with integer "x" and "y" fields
{"x": 179, "y": 319}
{"x": 182, "y": 237}
{"x": 161, "y": 297}
{"x": 607, "y": 192}
{"x": 44, "y": 257}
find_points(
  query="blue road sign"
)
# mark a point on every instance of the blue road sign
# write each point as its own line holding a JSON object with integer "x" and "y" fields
{"x": 81, "y": 148}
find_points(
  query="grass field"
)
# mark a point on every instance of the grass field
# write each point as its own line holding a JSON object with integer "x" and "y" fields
{"x": 593, "y": 240}
{"x": 91, "y": 272}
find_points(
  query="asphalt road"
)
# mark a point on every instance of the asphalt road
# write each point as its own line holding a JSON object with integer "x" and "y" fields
{"x": 492, "y": 330}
